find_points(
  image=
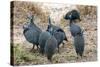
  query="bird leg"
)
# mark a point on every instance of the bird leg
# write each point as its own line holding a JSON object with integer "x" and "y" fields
{"x": 37, "y": 47}
{"x": 81, "y": 57}
{"x": 63, "y": 44}
{"x": 32, "y": 48}
{"x": 58, "y": 49}
{"x": 77, "y": 56}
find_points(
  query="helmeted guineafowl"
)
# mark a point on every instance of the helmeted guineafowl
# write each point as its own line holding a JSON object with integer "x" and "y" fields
{"x": 59, "y": 37}
{"x": 50, "y": 47}
{"x": 31, "y": 32}
{"x": 77, "y": 34}
{"x": 42, "y": 40}
{"x": 58, "y": 33}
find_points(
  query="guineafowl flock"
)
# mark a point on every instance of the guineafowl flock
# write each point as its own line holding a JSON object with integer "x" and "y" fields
{"x": 48, "y": 41}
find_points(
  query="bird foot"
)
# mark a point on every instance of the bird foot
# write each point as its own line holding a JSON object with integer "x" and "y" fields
{"x": 32, "y": 50}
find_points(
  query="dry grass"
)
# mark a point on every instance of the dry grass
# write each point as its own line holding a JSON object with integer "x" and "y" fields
{"x": 23, "y": 9}
{"x": 22, "y": 54}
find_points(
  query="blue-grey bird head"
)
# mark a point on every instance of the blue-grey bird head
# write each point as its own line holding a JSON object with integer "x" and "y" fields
{"x": 49, "y": 28}
{"x": 26, "y": 27}
{"x": 29, "y": 24}
{"x": 72, "y": 15}
{"x": 68, "y": 16}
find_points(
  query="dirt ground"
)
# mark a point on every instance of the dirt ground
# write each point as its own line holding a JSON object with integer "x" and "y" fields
{"x": 23, "y": 56}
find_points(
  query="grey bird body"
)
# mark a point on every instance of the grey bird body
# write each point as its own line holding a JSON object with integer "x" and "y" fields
{"x": 42, "y": 40}
{"x": 50, "y": 47}
{"x": 79, "y": 44}
{"x": 59, "y": 37}
{"x": 57, "y": 32}
{"x": 74, "y": 29}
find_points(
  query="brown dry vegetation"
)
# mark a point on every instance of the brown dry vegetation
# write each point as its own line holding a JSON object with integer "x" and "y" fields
{"x": 67, "y": 54}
